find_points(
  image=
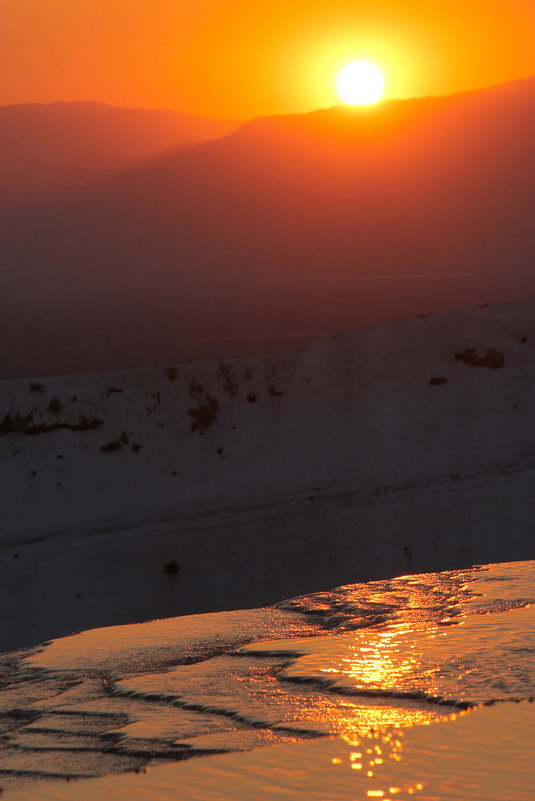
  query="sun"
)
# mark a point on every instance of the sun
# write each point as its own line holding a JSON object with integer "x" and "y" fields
{"x": 360, "y": 83}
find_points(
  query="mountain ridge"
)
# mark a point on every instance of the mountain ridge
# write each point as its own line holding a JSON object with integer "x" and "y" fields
{"x": 48, "y": 147}
{"x": 250, "y": 234}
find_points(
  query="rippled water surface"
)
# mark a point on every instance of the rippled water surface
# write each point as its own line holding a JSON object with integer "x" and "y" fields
{"x": 418, "y": 686}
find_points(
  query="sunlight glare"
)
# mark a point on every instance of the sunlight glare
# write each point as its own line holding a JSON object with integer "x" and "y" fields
{"x": 360, "y": 83}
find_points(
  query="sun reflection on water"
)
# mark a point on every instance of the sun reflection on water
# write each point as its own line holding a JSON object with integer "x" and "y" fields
{"x": 369, "y": 684}
{"x": 375, "y": 686}
{"x": 395, "y": 662}
{"x": 376, "y": 749}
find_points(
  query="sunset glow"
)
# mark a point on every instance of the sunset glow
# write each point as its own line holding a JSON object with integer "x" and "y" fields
{"x": 233, "y": 60}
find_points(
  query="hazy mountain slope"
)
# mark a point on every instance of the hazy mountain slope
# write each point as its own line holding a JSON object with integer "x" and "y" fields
{"x": 385, "y": 451}
{"x": 306, "y": 223}
{"x": 49, "y": 146}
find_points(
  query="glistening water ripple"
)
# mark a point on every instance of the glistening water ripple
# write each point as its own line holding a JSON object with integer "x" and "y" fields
{"x": 372, "y": 663}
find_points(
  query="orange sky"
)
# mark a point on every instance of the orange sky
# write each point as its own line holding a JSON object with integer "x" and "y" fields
{"x": 240, "y": 58}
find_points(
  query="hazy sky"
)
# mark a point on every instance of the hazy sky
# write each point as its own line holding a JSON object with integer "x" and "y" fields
{"x": 242, "y": 58}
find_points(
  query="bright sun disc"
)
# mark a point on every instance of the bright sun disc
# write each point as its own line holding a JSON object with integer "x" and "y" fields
{"x": 360, "y": 83}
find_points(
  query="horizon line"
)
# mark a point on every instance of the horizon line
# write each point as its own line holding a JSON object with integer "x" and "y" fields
{"x": 230, "y": 118}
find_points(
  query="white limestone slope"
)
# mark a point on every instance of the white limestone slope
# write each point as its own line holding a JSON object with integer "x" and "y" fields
{"x": 265, "y": 477}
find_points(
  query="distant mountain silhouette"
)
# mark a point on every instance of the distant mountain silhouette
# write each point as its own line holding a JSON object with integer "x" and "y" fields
{"x": 48, "y": 146}
{"x": 289, "y": 227}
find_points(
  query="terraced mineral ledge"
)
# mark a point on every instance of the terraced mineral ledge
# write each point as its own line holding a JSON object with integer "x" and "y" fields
{"x": 222, "y": 485}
